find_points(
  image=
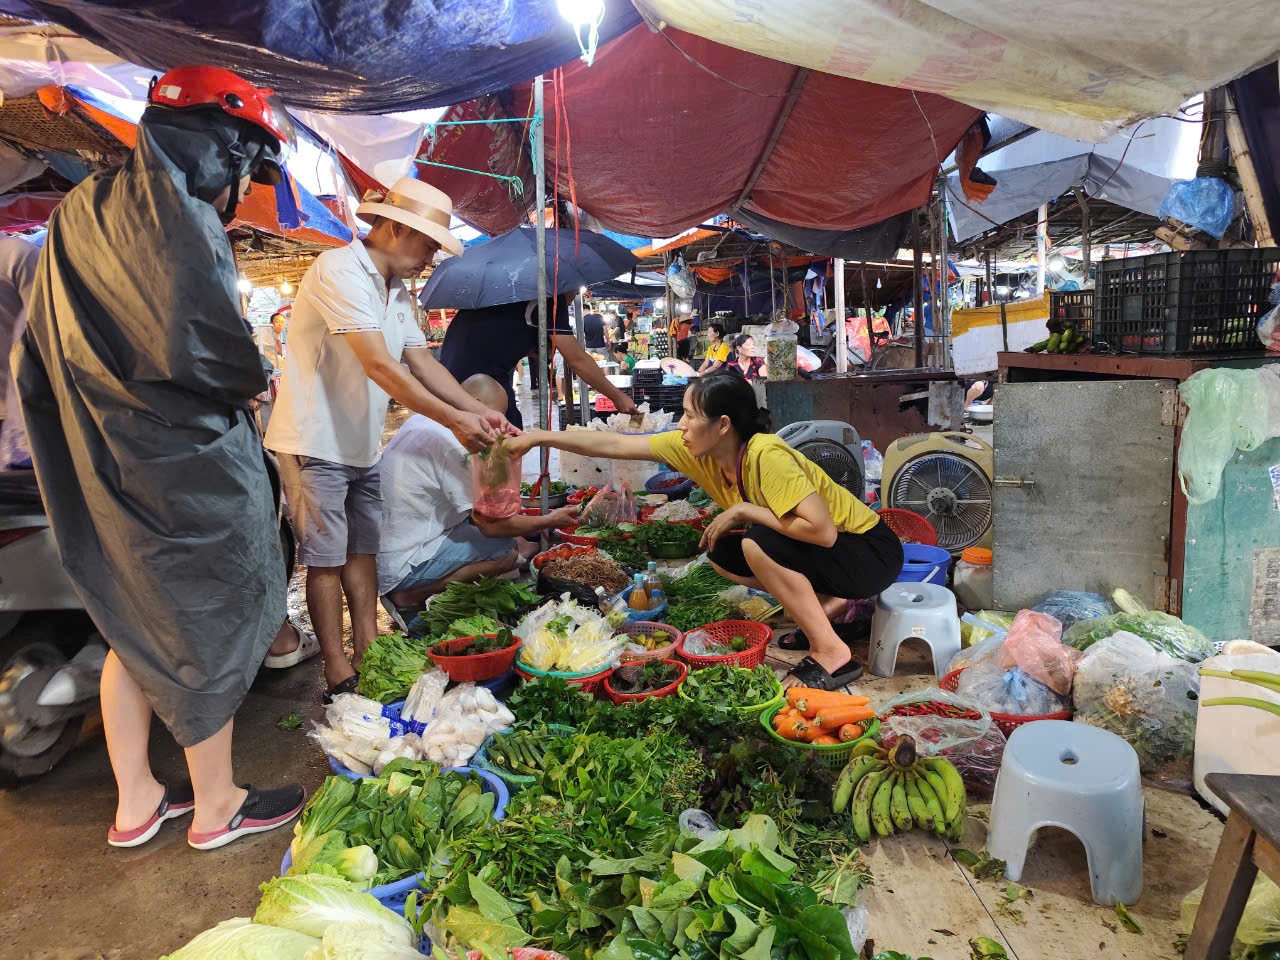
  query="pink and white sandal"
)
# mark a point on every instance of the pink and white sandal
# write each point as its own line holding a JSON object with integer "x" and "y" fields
{"x": 261, "y": 811}
{"x": 178, "y": 800}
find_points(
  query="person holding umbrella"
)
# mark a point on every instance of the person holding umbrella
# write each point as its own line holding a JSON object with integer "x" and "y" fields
{"x": 495, "y": 294}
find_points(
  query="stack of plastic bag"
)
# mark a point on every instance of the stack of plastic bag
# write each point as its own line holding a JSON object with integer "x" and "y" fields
{"x": 1034, "y": 644}
{"x": 1142, "y": 694}
{"x": 1229, "y": 409}
{"x": 1071, "y": 606}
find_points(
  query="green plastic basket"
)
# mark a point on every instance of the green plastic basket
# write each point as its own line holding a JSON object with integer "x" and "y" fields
{"x": 779, "y": 698}
{"x": 515, "y": 781}
{"x": 834, "y": 757}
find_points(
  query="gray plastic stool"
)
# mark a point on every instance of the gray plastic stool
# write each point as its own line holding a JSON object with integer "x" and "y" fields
{"x": 1056, "y": 773}
{"x": 914, "y": 611}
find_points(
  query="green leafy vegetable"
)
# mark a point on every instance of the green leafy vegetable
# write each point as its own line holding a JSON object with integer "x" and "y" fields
{"x": 390, "y": 665}
{"x": 241, "y": 937}
{"x": 499, "y": 599}
{"x": 1126, "y": 919}
{"x": 643, "y": 677}
{"x": 727, "y": 686}
{"x": 290, "y": 721}
{"x": 310, "y": 904}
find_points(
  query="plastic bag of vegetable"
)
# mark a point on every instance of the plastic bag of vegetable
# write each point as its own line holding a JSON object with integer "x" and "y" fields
{"x": 1162, "y": 631}
{"x": 1260, "y": 922}
{"x": 243, "y": 939}
{"x": 975, "y": 627}
{"x": 1012, "y": 691}
{"x": 1034, "y": 643}
{"x": 1069, "y": 606}
{"x": 947, "y": 725}
{"x": 311, "y": 903}
{"x": 608, "y": 508}
{"x": 982, "y": 650}
{"x": 1141, "y": 694}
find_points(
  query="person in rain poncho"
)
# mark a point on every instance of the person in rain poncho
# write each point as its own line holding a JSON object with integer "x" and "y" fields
{"x": 135, "y": 374}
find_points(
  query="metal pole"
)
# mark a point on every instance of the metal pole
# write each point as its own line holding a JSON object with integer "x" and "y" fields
{"x": 944, "y": 274}
{"x": 917, "y": 276}
{"x": 991, "y": 293}
{"x": 540, "y": 229}
{"x": 1042, "y": 247}
{"x": 773, "y": 288}
{"x": 583, "y": 388}
{"x": 746, "y": 302}
{"x": 842, "y": 348}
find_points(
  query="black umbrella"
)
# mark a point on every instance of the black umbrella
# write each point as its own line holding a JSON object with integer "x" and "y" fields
{"x": 505, "y": 269}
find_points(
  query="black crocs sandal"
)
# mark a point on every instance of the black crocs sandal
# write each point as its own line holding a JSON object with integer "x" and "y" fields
{"x": 812, "y": 674}
{"x": 349, "y": 685}
{"x": 848, "y": 632}
{"x": 261, "y": 811}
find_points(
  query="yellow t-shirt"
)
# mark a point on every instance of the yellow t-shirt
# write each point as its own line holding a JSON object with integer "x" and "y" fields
{"x": 774, "y": 476}
{"x": 719, "y": 352}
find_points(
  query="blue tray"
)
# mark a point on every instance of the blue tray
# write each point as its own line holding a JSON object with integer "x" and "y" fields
{"x": 393, "y": 895}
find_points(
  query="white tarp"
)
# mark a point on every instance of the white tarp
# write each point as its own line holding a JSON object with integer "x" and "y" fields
{"x": 1080, "y": 68}
{"x": 37, "y": 55}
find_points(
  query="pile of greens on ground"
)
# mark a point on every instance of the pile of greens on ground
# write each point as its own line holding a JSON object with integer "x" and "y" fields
{"x": 488, "y": 596}
{"x": 390, "y": 665}
{"x": 694, "y": 598}
{"x": 726, "y": 686}
{"x": 380, "y": 829}
{"x": 623, "y": 546}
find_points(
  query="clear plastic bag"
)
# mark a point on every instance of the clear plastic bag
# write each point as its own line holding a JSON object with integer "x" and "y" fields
{"x": 1070, "y": 606}
{"x": 1034, "y": 643}
{"x": 977, "y": 626}
{"x": 424, "y": 696}
{"x": 495, "y": 482}
{"x": 1010, "y": 691}
{"x": 1260, "y": 923}
{"x": 1206, "y": 203}
{"x": 697, "y": 823}
{"x": 1141, "y": 694}
{"x": 1228, "y": 410}
{"x": 609, "y": 507}
{"x": 974, "y": 746}
{"x": 1162, "y": 631}
{"x": 982, "y": 650}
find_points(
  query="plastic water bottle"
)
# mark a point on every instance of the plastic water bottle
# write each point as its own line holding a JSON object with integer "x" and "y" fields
{"x": 639, "y": 597}
{"x": 652, "y": 584}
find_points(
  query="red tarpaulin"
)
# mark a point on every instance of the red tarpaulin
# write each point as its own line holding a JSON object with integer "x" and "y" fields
{"x": 656, "y": 143}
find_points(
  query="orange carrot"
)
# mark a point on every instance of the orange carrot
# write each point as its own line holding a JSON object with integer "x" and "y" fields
{"x": 826, "y": 741}
{"x": 850, "y": 731}
{"x": 815, "y": 700}
{"x": 812, "y": 731}
{"x": 792, "y": 728}
{"x": 833, "y": 718}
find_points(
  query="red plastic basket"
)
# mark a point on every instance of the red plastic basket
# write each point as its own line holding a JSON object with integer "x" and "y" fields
{"x": 910, "y": 526}
{"x": 567, "y": 535}
{"x": 591, "y": 684}
{"x": 1007, "y": 722}
{"x": 474, "y": 667}
{"x": 580, "y": 496}
{"x": 645, "y": 628}
{"x": 758, "y": 636}
{"x": 666, "y": 691}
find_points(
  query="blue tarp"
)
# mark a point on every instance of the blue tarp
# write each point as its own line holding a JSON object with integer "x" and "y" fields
{"x": 360, "y": 56}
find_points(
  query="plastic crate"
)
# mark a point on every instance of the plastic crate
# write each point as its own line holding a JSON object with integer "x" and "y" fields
{"x": 834, "y": 757}
{"x": 1187, "y": 302}
{"x": 1074, "y": 309}
{"x": 619, "y": 698}
{"x": 1007, "y": 722}
{"x": 757, "y": 635}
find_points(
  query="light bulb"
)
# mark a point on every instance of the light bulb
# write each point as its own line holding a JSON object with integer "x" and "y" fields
{"x": 244, "y": 286}
{"x": 659, "y": 304}
{"x": 581, "y": 13}
{"x": 1057, "y": 263}
{"x": 286, "y": 288}
{"x": 877, "y": 283}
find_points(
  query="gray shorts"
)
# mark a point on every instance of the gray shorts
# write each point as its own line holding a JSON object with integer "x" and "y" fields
{"x": 335, "y": 510}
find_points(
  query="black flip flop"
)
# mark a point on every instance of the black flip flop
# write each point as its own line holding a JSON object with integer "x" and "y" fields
{"x": 349, "y": 685}
{"x": 812, "y": 674}
{"x": 848, "y": 632}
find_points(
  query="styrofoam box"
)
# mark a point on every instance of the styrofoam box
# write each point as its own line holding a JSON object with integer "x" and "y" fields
{"x": 1232, "y": 739}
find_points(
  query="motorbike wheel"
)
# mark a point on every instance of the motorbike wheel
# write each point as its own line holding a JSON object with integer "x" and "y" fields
{"x": 29, "y": 751}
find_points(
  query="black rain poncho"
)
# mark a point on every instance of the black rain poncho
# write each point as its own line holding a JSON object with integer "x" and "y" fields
{"x": 135, "y": 376}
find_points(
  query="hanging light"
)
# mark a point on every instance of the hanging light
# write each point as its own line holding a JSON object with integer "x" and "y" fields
{"x": 877, "y": 283}
{"x": 244, "y": 286}
{"x": 585, "y": 16}
{"x": 286, "y": 288}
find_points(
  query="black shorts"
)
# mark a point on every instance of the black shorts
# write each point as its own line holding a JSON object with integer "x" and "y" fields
{"x": 857, "y": 566}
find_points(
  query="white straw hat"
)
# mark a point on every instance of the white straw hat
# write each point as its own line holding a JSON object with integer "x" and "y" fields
{"x": 418, "y": 205}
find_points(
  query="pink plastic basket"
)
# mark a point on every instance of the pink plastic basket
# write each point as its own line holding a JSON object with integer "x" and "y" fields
{"x": 645, "y": 628}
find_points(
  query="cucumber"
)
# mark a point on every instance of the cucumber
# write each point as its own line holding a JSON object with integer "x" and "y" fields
{"x": 1054, "y": 341}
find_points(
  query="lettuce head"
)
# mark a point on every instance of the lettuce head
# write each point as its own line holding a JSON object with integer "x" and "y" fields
{"x": 242, "y": 939}
{"x": 311, "y": 903}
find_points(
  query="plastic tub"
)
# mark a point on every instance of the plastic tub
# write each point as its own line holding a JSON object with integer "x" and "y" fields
{"x": 389, "y": 894}
{"x": 663, "y": 483}
{"x": 779, "y": 698}
{"x": 972, "y": 581}
{"x": 757, "y": 635}
{"x": 919, "y": 562}
{"x": 1007, "y": 722}
{"x": 589, "y": 682}
{"x": 645, "y": 628}
{"x": 514, "y": 781}
{"x": 646, "y": 513}
{"x": 617, "y": 698}
{"x": 835, "y": 756}
{"x": 476, "y": 666}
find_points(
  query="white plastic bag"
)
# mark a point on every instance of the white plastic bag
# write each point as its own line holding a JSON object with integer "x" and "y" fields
{"x": 424, "y": 696}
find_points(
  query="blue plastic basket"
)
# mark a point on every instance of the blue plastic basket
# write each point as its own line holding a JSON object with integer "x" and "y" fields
{"x": 676, "y": 492}
{"x": 393, "y": 895}
{"x": 919, "y": 561}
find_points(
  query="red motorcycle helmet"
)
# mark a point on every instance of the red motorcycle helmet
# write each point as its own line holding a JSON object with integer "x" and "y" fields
{"x": 196, "y": 88}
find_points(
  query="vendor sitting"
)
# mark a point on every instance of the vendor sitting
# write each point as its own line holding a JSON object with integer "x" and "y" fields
{"x": 808, "y": 541}
{"x": 430, "y": 535}
{"x": 626, "y": 360}
{"x": 718, "y": 354}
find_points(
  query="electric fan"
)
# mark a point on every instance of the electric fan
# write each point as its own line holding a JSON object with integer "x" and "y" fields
{"x": 832, "y": 445}
{"x": 946, "y": 478}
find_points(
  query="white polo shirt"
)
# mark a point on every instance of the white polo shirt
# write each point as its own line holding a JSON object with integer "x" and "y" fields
{"x": 328, "y": 407}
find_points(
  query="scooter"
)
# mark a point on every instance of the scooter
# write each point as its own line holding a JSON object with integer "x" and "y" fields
{"x": 51, "y": 655}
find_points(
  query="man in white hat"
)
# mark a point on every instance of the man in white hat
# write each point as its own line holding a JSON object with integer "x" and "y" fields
{"x": 353, "y": 343}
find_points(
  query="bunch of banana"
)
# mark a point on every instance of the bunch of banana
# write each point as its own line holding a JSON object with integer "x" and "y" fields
{"x": 518, "y": 752}
{"x": 896, "y": 789}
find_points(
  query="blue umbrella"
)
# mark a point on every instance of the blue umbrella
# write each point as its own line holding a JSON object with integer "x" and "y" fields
{"x": 505, "y": 269}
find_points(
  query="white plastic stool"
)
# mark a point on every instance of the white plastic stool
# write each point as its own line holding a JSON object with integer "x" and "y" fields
{"x": 914, "y": 611}
{"x": 1056, "y": 773}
